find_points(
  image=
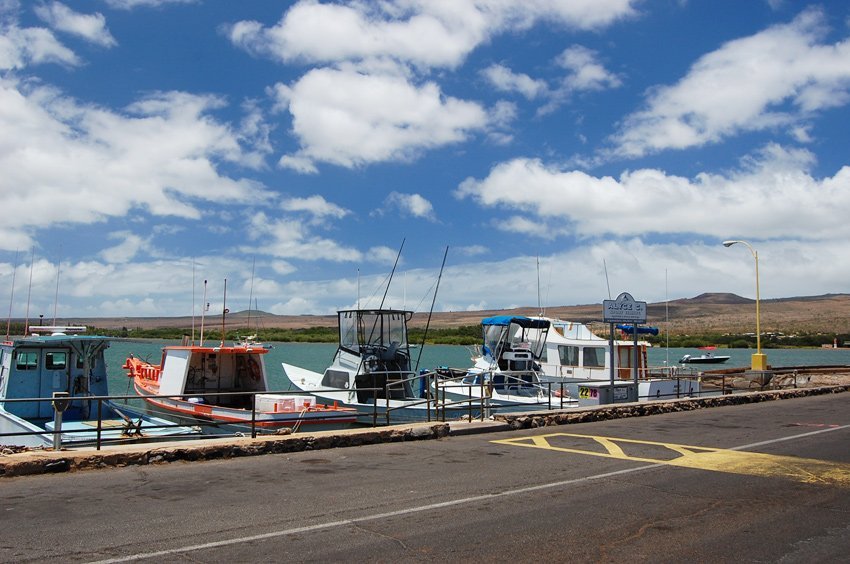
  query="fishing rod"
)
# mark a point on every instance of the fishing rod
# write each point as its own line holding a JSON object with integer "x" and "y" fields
{"x": 381, "y": 307}
{"x": 433, "y": 301}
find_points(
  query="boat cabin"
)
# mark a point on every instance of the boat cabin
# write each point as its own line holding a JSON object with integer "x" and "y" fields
{"x": 574, "y": 351}
{"x": 200, "y": 372}
{"x": 373, "y": 352}
{"x": 514, "y": 343}
{"x": 39, "y": 365}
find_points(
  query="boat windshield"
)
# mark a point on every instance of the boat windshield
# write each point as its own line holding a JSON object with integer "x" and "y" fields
{"x": 515, "y": 337}
{"x": 372, "y": 328}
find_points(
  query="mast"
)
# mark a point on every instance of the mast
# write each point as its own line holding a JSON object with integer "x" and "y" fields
{"x": 29, "y": 294}
{"x": 433, "y": 301}
{"x": 12, "y": 295}
{"x": 395, "y": 264}
{"x": 56, "y": 296}
{"x": 251, "y": 292}
{"x": 204, "y": 308}
{"x": 193, "y": 300}
{"x": 224, "y": 311}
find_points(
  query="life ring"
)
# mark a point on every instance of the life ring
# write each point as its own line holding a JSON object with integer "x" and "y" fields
{"x": 254, "y": 369}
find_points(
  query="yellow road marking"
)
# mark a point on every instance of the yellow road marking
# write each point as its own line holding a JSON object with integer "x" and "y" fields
{"x": 805, "y": 470}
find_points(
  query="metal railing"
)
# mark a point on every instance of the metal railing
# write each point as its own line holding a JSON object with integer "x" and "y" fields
{"x": 442, "y": 395}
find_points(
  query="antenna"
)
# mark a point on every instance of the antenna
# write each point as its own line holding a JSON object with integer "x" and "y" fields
{"x": 12, "y": 296}
{"x": 251, "y": 292}
{"x": 204, "y": 307}
{"x": 358, "y": 288}
{"x": 56, "y": 296}
{"x": 428, "y": 323}
{"x": 604, "y": 264}
{"x": 193, "y": 300}
{"x": 539, "y": 306}
{"x": 398, "y": 255}
{"x": 29, "y": 293}
{"x": 667, "y": 316}
{"x": 224, "y": 311}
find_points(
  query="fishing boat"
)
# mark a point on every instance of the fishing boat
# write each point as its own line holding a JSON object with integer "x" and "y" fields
{"x": 372, "y": 372}
{"x": 507, "y": 372}
{"x": 574, "y": 355}
{"x": 63, "y": 361}
{"x": 708, "y": 357}
{"x": 228, "y": 385}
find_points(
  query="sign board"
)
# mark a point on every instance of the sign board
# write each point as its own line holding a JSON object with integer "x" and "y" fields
{"x": 623, "y": 310}
{"x": 621, "y": 394}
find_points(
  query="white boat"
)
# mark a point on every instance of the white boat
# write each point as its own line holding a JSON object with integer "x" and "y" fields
{"x": 65, "y": 361}
{"x": 705, "y": 358}
{"x": 574, "y": 354}
{"x": 507, "y": 372}
{"x": 372, "y": 372}
{"x": 228, "y": 386}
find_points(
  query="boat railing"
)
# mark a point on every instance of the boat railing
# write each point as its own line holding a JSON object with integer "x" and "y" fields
{"x": 131, "y": 428}
{"x": 510, "y": 382}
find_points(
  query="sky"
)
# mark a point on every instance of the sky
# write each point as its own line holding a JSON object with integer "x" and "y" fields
{"x": 555, "y": 152}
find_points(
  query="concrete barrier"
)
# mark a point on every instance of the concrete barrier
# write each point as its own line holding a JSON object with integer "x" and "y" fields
{"x": 13, "y": 462}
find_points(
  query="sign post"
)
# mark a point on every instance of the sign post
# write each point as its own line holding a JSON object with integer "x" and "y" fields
{"x": 623, "y": 310}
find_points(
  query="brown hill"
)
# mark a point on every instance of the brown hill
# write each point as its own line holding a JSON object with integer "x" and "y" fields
{"x": 723, "y": 313}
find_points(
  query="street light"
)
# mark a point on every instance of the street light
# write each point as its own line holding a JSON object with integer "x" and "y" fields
{"x": 759, "y": 360}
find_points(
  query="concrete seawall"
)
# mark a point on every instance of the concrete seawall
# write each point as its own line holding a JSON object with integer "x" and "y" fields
{"x": 48, "y": 461}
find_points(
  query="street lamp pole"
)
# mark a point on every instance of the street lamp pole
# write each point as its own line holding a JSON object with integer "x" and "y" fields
{"x": 759, "y": 359}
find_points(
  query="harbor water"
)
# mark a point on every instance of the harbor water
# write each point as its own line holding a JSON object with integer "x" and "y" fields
{"x": 317, "y": 357}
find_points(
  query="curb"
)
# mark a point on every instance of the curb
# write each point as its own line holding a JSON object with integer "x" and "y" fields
{"x": 46, "y": 462}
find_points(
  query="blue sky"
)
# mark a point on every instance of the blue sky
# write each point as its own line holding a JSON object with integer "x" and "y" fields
{"x": 147, "y": 144}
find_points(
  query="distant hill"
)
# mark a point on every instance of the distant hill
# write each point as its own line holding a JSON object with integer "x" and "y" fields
{"x": 710, "y": 312}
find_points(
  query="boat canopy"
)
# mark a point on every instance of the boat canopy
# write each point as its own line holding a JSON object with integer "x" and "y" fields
{"x": 373, "y": 327}
{"x": 522, "y": 321}
{"x": 642, "y": 330}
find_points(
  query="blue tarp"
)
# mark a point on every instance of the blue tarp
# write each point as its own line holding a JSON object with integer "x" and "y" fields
{"x": 641, "y": 330}
{"x": 505, "y": 320}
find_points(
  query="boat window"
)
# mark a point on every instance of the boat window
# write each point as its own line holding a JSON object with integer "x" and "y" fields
{"x": 348, "y": 331}
{"x": 335, "y": 379}
{"x": 26, "y": 360}
{"x": 594, "y": 356}
{"x": 624, "y": 355}
{"x": 568, "y": 355}
{"x": 544, "y": 355}
{"x": 55, "y": 360}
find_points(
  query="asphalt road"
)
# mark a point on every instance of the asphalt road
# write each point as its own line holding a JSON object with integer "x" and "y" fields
{"x": 767, "y": 482}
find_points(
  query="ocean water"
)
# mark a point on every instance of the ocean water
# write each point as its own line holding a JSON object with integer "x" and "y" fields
{"x": 313, "y": 356}
{"x": 317, "y": 357}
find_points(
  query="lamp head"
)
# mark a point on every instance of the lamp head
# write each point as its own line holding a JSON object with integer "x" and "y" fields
{"x": 729, "y": 243}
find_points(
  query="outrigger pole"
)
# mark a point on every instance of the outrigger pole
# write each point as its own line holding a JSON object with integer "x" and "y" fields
{"x": 398, "y": 255}
{"x": 224, "y": 311}
{"x": 433, "y": 301}
{"x": 12, "y": 296}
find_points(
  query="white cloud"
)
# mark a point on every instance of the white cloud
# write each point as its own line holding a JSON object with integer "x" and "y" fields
{"x": 586, "y": 72}
{"x": 316, "y": 206}
{"x": 290, "y": 238}
{"x": 82, "y": 164}
{"x": 20, "y": 48}
{"x": 775, "y": 78}
{"x": 382, "y": 255}
{"x": 90, "y": 27}
{"x": 350, "y": 119}
{"x": 126, "y": 250}
{"x": 505, "y": 80}
{"x": 131, "y": 4}
{"x": 410, "y": 204}
{"x": 772, "y": 195}
{"x": 471, "y": 250}
{"x": 370, "y": 104}
{"x": 421, "y": 32}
